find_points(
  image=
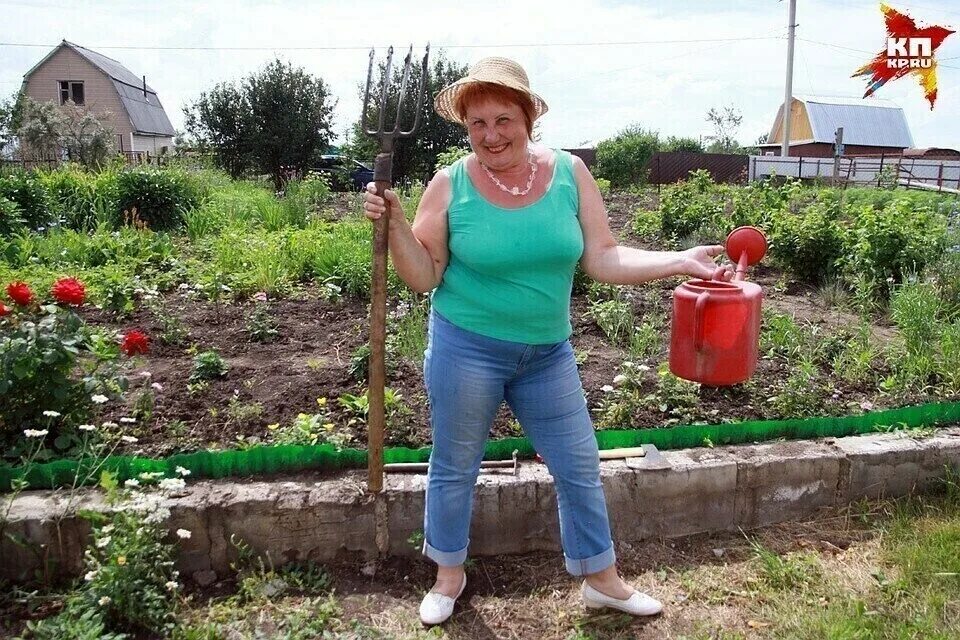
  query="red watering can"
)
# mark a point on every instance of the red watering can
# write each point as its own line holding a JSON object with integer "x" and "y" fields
{"x": 715, "y": 333}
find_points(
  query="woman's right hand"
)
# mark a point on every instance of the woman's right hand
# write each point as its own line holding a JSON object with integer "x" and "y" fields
{"x": 374, "y": 206}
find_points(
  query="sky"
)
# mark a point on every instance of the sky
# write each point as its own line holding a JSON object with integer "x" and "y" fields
{"x": 601, "y": 65}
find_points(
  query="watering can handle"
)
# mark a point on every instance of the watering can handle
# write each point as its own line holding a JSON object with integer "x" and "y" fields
{"x": 698, "y": 320}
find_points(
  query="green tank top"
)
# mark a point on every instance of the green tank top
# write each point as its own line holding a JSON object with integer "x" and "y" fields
{"x": 510, "y": 271}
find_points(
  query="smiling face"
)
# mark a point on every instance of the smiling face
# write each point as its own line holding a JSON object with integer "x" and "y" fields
{"x": 498, "y": 133}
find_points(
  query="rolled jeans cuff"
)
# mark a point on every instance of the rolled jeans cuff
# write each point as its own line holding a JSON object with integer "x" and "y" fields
{"x": 445, "y": 558}
{"x": 592, "y": 564}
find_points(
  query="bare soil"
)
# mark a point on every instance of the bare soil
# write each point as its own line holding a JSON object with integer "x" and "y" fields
{"x": 272, "y": 382}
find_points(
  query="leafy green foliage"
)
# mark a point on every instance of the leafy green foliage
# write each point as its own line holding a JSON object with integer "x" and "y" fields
{"x": 50, "y": 361}
{"x": 808, "y": 243}
{"x": 159, "y": 197}
{"x": 451, "y": 155}
{"x": 26, "y": 191}
{"x": 207, "y": 366}
{"x": 690, "y": 206}
{"x": 622, "y": 159}
{"x": 417, "y": 159}
{"x": 279, "y": 116}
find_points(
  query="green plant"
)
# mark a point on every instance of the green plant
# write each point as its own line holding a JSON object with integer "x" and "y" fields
{"x": 451, "y": 155}
{"x": 915, "y": 307}
{"x": 159, "y": 197}
{"x": 130, "y": 575}
{"x": 208, "y": 365}
{"x": 854, "y": 361}
{"x": 77, "y": 621}
{"x": 646, "y": 340}
{"x": 885, "y": 246}
{"x": 407, "y": 328}
{"x": 614, "y": 317}
{"x": 801, "y": 395}
{"x": 622, "y": 159}
{"x": 808, "y": 244}
{"x": 948, "y": 364}
{"x": 646, "y": 223}
{"x": 781, "y": 336}
{"x": 261, "y": 327}
{"x": 50, "y": 361}
{"x": 27, "y": 193}
{"x": 603, "y": 185}
{"x": 172, "y": 329}
{"x": 792, "y": 572}
{"x": 692, "y": 206}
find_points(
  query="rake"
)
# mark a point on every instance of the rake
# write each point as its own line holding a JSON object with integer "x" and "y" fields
{"x": 383, "y": 176}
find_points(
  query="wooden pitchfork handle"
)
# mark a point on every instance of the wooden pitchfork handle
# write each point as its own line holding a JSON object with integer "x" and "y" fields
{"x": 378, "y": 333}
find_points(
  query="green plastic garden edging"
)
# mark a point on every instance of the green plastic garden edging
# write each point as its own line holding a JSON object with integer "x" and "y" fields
{"x": 261, "y": 460}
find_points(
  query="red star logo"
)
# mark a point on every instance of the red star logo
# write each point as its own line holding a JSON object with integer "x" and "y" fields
{"x": 909, "y": 49}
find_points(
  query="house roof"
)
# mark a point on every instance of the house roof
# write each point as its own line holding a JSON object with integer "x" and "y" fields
{"x": 869, "y": 122}
{"x": 145, "y": 111}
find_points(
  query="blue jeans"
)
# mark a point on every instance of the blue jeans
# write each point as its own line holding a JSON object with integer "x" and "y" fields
{"x": 467, "y": 377}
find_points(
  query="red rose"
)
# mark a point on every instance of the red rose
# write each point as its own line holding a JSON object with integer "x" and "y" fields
{"x": 69, "y": 291}
{"x": 20, "y": 293}
{"x": 134, "y": 343}
{"x": 4, "y": 310}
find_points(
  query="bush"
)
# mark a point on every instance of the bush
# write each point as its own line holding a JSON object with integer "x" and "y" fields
{"x": 11, "y": 220}
{"x": 622, "y": 159}
{"x": 160, "y": 197}
{"x": 451, "y": 155}
{"x": 604, "y": 186}
{"x": 884, "y": 246}
{"x": 50, "y": 361}
{"x": 27, "y": 192}
{"x": 691, "y": 206}
{"x": 808, "y": 244}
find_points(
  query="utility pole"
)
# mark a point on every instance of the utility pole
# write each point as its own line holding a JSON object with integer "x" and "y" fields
{"x": 788, "y": 91}
{"x": 837, "y": 152}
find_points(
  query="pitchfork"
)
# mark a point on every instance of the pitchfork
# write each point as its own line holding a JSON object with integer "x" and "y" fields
{"x": 382, "y": 176}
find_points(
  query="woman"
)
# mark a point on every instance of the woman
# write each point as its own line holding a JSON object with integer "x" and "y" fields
{"x": 497, "y": 237}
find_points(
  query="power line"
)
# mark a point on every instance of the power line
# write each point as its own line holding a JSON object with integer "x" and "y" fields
{"x": 496, "y": 45}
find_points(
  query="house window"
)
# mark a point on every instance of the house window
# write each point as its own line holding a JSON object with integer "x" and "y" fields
{"x": 71, "y": 90}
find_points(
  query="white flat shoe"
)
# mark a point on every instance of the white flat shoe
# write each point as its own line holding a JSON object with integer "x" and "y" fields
{"x": 436, "y": 607}
{"x": 638, "y": 604}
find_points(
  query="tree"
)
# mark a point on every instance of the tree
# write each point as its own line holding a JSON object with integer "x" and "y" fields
{"x": 11, "y": 115}
{"x": 84, "y": 136}
{"x": 45, "y": 130}
{"x": 276, "y": 118}
{"x": 726, "y": 123}
{"x": 413, "y": 159}
{"x": 623, "y": 159}
{"x": 682, "y": 144}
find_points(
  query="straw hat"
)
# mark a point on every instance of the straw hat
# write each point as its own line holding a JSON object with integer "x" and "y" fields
{"x": 502, "y": 71}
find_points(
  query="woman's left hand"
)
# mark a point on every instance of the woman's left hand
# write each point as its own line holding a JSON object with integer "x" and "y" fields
{"x": 698, "y": 262}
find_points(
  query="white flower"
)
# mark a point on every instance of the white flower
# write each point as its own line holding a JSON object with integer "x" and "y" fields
{"x": 619, "y": 379}
{"x": 643, "y": 367}
{"x": 171, "y": 585}
{"x": 172, "y": 484}
{"x": 103, "y": 542}
{"x": 52, "y": 414}
{"x": 128, "y": 420}
{"x": 99, "y": 398}
{"x": 183, "y": 533}
{"x": 107, "y": 529}
{"x": 156, "y": 386}
{"x": 110, "y": 425}
{"x": 34, "y": 433}
{"x": 145, "y": 374}
{"x": 627, "y": 363}
{"x": 129, "y": 439}
{"x": 87, "y": 427}
{"x": 183, "y": 285}
{"x": 606, "y": 388}
{"x": 182, "y": 471}
{"x": 90, "y": 575}
{"x": 104, "y": 601}
{"x": 131, "y": 483}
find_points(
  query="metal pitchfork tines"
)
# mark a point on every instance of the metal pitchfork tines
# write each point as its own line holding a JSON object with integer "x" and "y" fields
{"x": 382, "y": 176}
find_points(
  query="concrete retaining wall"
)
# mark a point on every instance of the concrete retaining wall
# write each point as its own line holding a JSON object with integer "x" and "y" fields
{"x": 301, "y": 518}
